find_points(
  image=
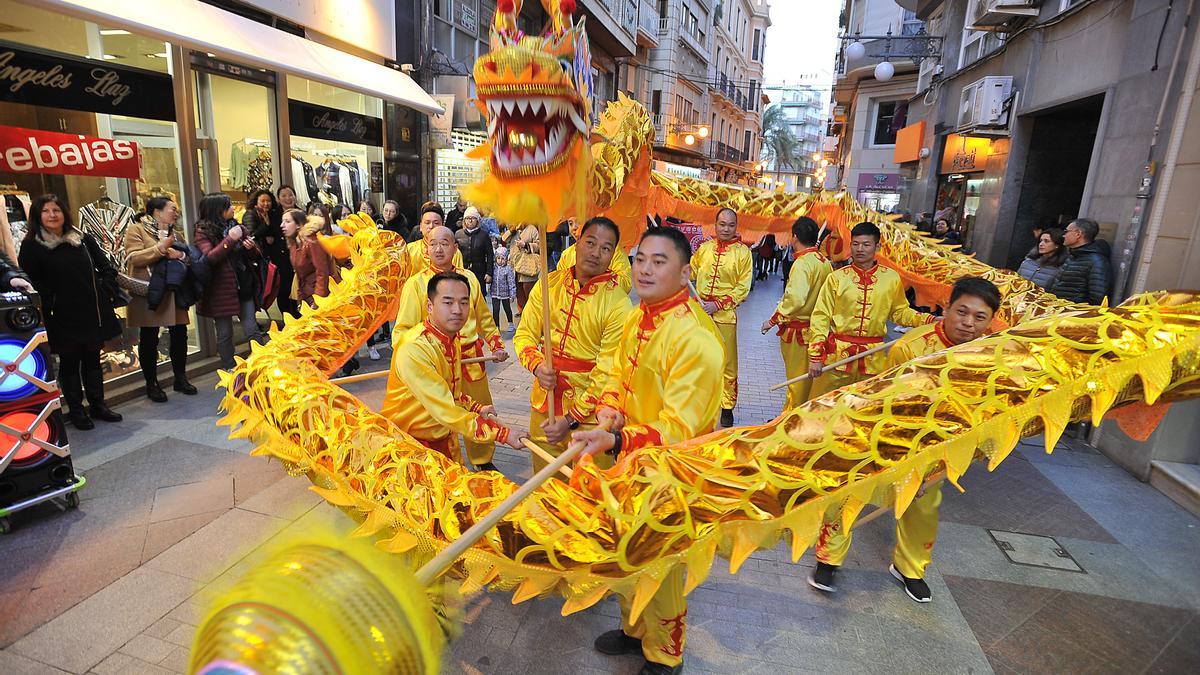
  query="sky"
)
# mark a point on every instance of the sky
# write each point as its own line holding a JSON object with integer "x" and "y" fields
{"x": 801, "y": 43}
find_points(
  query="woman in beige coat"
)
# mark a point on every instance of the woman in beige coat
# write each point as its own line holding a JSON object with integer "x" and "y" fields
{"x": 148, "y": 241}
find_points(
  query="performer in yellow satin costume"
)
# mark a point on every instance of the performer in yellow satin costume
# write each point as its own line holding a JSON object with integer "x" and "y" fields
{"x": 851, "y": 315}
{"x": 418, "y": 251}
{"x": 619, "y": 265}
{"x": 589, "y": 309}
{"x": 807, "y": 275}
{"x": 722, "y": 268}
{"x": 973, "y": 303}
{"x": 663, "y": 387}
{"x": 478, "y": 331}
{"x": 425, "y": 395}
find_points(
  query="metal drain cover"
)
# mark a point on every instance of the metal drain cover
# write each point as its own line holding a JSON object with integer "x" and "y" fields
{"x": 1034, "y": 550}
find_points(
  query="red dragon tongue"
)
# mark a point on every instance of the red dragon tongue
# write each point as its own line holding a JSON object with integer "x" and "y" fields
{"x": 567, "y": 7}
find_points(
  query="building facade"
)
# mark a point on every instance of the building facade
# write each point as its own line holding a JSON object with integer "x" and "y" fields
{"x": 867, "y": 110}
{"x": 1038, "y": 113}
{"x": 735, "y": 80}
{"x": 803, "y": 108}
{"x": 226, "y": 97}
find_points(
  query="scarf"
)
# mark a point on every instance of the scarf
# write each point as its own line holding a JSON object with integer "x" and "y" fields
{"x": 51, "y": 241}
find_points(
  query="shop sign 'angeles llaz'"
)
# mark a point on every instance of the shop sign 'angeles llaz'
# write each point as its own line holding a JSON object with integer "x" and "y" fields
{"x": 34, "y": 151}
{"x": 51, "y": 79}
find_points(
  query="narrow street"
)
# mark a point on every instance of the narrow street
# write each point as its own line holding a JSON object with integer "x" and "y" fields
{"x": 1059, "y": 562}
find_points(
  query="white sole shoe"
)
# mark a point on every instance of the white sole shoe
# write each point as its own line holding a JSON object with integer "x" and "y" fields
{"x": 900, "y": 577}
{"x": 374, "y": 354}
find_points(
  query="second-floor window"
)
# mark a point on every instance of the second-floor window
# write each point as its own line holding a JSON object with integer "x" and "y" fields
{"x": 885, "y": 114}
{"x": 976, "y": 43}
{"x": 754, "y": 49}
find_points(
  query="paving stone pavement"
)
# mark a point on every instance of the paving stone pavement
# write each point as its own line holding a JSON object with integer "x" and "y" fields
{"x": 174, "y": 513}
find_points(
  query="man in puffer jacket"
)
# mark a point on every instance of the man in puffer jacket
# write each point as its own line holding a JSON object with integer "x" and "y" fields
{"x": 1087, "y": 274}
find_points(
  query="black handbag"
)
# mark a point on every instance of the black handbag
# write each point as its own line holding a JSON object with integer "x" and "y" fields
{"x": 106, "y": 282}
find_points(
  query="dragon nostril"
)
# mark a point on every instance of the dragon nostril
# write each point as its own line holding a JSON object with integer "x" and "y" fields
{"x": 490, "y": 65}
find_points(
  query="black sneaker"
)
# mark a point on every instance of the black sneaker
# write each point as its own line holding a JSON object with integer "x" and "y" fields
{"x": 184, "y": 387}
{"x": 486, "y": 466}
{"x": 917, "y": 589}
{"x": 617, "y": 643}
{"x": 727, "y": 417}
{"x": 822, "y": 578}
{"x": 652, "y": 668}
{"x": 101, "y": 411}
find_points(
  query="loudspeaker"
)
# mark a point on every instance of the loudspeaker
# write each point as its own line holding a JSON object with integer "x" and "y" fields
{"x": 35, "y": 456}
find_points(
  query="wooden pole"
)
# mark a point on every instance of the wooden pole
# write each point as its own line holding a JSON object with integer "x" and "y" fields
{"x": 537, "y": 450}
{"x": 361, "y": 377}
{"x": 430, "y": 570}
{"x": 547, "y": 336}
{"x": 379, "y": 374}
{"x": 879, "y": 512}
{"x": 835, "y": 364}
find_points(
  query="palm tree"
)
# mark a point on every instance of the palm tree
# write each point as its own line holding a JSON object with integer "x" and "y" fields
{"x": 780, "y": 144}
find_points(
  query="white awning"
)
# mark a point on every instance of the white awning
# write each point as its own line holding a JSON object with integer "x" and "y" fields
{"x": 208, "y": 29}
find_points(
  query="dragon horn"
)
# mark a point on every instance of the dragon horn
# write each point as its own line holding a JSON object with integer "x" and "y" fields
{"x": 560, "y": 12}
{"x": 507, "y": 12}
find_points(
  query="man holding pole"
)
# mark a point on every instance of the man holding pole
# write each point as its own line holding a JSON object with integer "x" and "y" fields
{"x": 973, "y": 303}
{"x": 807, "y": 275}
{"x": 425, "y": 395}
{"x": 722, "y": 268}
{"x": 851, "y": 314}
{"x": 588, "y": 309}
{"x": 663, "y": 387}
{"x": 479, "y": 329}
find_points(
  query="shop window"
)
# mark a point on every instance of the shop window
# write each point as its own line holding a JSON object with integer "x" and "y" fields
{"x": 884, "y": 133}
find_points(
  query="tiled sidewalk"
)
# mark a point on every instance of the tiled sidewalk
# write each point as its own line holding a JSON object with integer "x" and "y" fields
{"x": 174, "y": 512}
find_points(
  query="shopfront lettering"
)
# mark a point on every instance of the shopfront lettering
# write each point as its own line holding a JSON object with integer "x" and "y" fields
{"x": 963, "y": 160}
{"x": 48, "y": 79}
{"x": 331, "y": 122}
{"x": 16, "y": 76}
{"x": 108, "y": 85}
{"x": 316, "y": 121}
{"x": 36, "y": 151}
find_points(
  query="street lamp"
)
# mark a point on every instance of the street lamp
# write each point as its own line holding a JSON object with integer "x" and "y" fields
{"x": 689, "y": 139}
{"x": 702, "y": 132}
{"x": 816, "y": 156}
{"x": 884, "y": 71}
{"x": 915, "y": 47}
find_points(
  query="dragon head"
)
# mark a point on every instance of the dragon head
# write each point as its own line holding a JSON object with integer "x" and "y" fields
{"x": 536, "y": 95}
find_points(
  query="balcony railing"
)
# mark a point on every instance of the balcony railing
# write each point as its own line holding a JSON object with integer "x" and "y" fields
{"x": 739, "y": 96}
{"x": 726, "y": 153}
{"x": 664, "y": 25}
{"x": 648, "y": 20}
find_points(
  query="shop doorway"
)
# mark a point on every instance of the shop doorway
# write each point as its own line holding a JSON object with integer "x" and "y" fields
{"x": 1056, "y": 171}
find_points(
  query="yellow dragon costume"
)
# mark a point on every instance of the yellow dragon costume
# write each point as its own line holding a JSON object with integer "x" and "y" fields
{"x": 731, "y": 492}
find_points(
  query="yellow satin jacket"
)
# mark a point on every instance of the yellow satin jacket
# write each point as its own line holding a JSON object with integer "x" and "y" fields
{"x": 586, "y": 325}
{"x": 666, "y": 373}
{"x": 479, "y": 329}
{"x": 721, "y": 271}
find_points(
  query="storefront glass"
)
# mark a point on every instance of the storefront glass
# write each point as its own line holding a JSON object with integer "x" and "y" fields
{"x": 235, "y": 123}
{"x": 119, "y": 90}
{"x": 336, "y": 143}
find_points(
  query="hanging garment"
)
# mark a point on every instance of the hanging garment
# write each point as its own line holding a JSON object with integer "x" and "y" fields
{"x": 356, "y": 182}
{"x": 347, "y": 189}
{"x": 301, "y": 189}
{"x": 107, "y": 221}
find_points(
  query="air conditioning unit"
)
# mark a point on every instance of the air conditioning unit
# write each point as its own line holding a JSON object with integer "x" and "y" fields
{"x": 983, "y": 103}
{"x": 992, "y": 14}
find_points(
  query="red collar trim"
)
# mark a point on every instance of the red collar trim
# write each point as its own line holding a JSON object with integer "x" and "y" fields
{"x": 722, "y": 245}
{"x": 938, "y": 327}
{"x": 865, "y": 276}
{"x": 446, "y": 340}
{"x": 594, "y": 283}
{"x": 658, "y": 309}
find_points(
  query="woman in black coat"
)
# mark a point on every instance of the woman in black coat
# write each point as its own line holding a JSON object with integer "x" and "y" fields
{"x": 68, "y": 269}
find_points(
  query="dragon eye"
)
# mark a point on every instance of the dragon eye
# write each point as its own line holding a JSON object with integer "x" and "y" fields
{"x": 567, "y": 65}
